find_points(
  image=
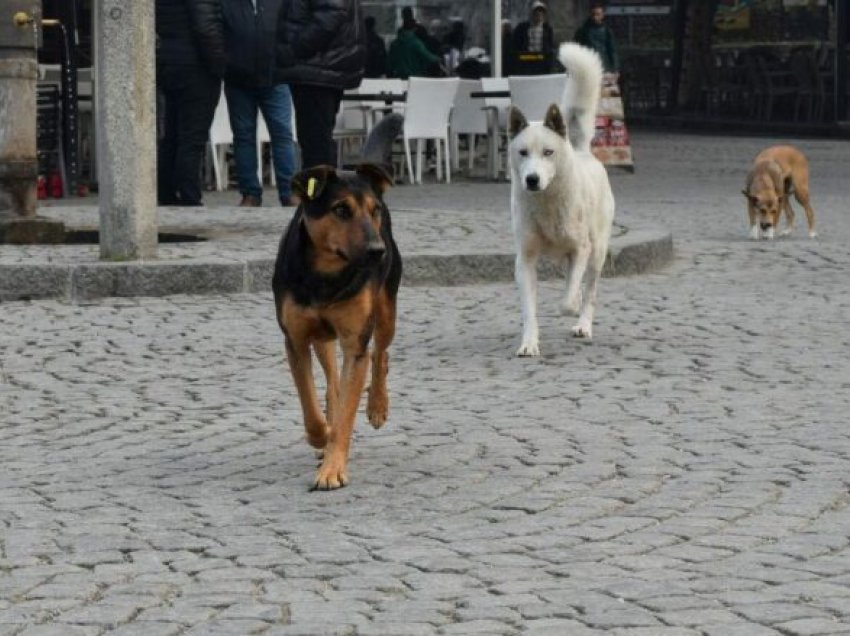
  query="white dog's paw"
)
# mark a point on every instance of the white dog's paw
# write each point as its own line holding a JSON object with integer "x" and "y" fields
{"x": 813, "y": 234}
{"x": 582, "y": 330}
{"x": 754, "y": 232}
{"x": 571, "y": 306}
{"x": 787, "y": 231}
{"x": 769, "y": 234}
{"x": 528, "y": 350}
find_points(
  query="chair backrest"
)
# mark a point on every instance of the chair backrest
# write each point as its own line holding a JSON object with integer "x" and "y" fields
{"x": 492, "y": 84}
{"x": 220, "y": 132}
{"x": 803, "y": 69}
{"x": 500, "y": 104}
{"x": 428, "y": 106}
{"x": 468, "y": 115}
{"x": 533, "y": 94}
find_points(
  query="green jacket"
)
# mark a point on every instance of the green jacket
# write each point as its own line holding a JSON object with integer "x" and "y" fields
{"x": 408, "y": 56}
{"x": 600, "y": 39}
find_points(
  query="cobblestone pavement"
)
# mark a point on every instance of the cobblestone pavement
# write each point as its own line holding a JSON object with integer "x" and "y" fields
{"x": 685, "y": 473}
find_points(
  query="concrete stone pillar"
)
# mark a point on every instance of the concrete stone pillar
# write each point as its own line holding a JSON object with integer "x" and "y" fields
{"x": 126, "y": 137}
{"x": 19, "y": 29}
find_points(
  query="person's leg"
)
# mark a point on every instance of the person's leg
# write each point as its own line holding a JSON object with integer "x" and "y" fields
{"x": 242, "y": 105}
{"x": 315, "y": 115}
{"x": 166, "y": 151}
{"x": 276, "y": 104}
{"x": 198, "y": 100}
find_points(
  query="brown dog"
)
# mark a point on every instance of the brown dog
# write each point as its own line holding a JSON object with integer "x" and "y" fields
{"x": 777, "y": 172}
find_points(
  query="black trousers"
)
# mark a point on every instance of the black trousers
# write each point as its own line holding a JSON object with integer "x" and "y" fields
{"x": 189, "y": 97}
{"x": 315, "y": 115}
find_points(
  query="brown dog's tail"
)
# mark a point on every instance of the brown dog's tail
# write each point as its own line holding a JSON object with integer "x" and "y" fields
{"x": 378, "y": 147}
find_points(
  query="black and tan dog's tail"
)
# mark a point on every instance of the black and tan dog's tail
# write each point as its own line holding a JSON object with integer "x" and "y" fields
{"x": 379, "y": 145}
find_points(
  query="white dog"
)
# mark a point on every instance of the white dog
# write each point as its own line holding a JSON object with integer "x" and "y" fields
{"x": 561, "y": 201}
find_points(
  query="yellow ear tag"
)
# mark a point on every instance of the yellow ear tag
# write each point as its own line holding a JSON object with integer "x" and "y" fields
{"x": 311, "y": 187}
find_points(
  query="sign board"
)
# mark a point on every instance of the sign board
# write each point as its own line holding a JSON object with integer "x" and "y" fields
{"x": 637, "y": 11}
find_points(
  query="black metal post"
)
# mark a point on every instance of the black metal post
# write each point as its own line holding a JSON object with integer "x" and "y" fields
{"x": 680, "y": 21}
{"x": 66, "y": 26}
{"x": 842, "y": 33}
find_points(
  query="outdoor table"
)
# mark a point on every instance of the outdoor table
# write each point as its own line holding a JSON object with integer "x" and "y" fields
{"x": 388, "y": 98}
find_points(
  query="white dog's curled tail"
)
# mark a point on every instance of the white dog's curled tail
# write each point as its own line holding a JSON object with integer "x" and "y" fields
{"x": 581, "y": 97}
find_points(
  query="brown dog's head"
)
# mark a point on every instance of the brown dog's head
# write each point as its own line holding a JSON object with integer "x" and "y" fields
{"x": 766, "y": 194}
{"x": 342, "y": 214}
{"x": 768, "y": 207}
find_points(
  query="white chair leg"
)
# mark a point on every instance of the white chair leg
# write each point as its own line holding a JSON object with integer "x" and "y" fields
{"x": 439, "y": 158}
{"x": 410, "y": 172}
{"x": 216, "y": 168}
{"x": 260, "y": 161}
{"x": 456, "y": 150}
{"x": 472, "y": 139}
{"x": 448, "y": 162}
{"x": 419, "y": 160}
{"x": 225, "y": 169}
{"x": 272, "y": 175}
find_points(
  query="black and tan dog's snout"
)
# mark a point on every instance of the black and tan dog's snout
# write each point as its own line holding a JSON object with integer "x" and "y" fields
{"x": 374, "y": 246}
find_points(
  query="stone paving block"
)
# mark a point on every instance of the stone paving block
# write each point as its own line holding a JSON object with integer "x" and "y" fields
{"x": 811, "y": 626}
{"x": 58, "y": 629}
{"x": 558, "y": 626}
{"x": 741, "y": 629}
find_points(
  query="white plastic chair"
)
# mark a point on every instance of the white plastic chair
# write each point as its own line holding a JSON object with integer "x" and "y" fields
{"x": 496, "y": 109}
{"x": 533, "y": 94}
{"x": 221, "y": 136}
{"x": 426, "y": 116}
{"x": 468, "y": 118}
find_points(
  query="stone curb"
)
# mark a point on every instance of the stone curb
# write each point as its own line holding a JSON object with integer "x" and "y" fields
{"x": 633, "y": 253}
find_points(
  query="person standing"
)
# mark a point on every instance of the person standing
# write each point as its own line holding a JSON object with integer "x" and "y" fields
{"x": 534, "y": 43}
{"x": 376, "y": 50}
{"x": 408, "y": 55}
{"x": 190, "y": 63}
{"x": 251, "y": 86}
{"x": 595, "y": 34}
{"x": 321, "y": 51}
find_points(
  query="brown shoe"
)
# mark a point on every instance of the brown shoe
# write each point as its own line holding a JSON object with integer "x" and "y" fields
{"x": 250, "y": 201}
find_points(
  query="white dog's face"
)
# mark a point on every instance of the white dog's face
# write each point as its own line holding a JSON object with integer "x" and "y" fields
{"x": 536, "y": 148}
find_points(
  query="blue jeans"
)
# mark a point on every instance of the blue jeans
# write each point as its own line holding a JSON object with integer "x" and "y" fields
{"x": 275, "y": 103}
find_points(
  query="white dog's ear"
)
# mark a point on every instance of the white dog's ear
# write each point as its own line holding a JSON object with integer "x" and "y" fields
{"x": 555, "y": 121}
{"x": 516, "y": 122}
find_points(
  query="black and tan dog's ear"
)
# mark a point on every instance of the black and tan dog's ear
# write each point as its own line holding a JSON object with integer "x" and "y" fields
{"x": 748, "y": 196}
{"x": 309, "y": 184}
{"x": 379, "y": 175}
{"x": 516, "y": 122}
{"x": 555, "y": 121}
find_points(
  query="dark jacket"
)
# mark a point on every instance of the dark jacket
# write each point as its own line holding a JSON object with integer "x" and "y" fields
{"x": 190, "y": 33}
{"x": 600, "y": 38}
{"x": 250, "y": 41}
{"x": 548, "y": 44}
{"x": 321, "y": 43}
{"x": 376, "y": 55}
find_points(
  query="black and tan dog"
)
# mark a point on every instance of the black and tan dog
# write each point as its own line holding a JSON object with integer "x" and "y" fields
{"x": 336, "y": 278}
